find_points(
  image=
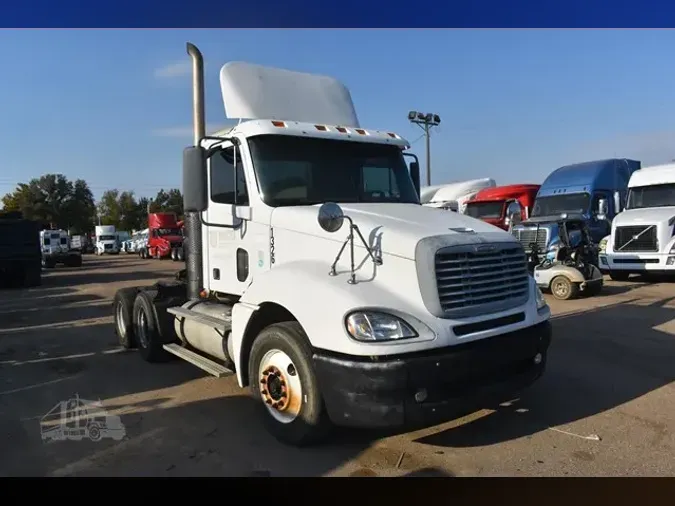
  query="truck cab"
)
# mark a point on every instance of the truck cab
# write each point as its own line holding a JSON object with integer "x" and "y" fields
{"x": 454, "y": 196}
{"x": 642, "y": 239}
{"x": 106, "y": 240}
{"x": 596, "y": 190}
{"x": 164, "y": 235}
{"x": 56, "y": 249}
{"x": 501, "y": 205}
{"x": 317, "y": 278}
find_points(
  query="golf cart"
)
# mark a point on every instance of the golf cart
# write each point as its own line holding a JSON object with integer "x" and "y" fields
{"x": 570, "y": 264}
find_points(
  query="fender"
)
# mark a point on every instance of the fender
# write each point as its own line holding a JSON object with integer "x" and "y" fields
{"x": 320, "y": 303}
{"x": 548, "y": 274}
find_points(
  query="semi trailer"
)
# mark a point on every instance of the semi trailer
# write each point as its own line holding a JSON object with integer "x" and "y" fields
{"x": 19, "y": 251}
{"x": 314, "y": 274}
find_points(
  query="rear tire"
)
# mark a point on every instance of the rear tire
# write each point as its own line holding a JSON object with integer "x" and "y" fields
{"x": 619, "y": 276}
{"x": 281, "y": 352}
{"x": 150, "y": 343}
{"x": 174, "y": 254}
{"x": 123, "y": 308}
{"x": 562, "y": 288}
{"x": 180, "y": 254}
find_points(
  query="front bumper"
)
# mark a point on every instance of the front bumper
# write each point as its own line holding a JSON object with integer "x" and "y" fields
{"x": 420, "y": 388}
{"x": 637, "y": 262}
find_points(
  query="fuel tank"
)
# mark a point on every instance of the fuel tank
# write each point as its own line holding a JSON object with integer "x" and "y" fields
{"x": 202, "y": 337}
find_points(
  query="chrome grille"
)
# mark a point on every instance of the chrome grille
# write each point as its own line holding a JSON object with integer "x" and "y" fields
{"x": 529, "y": 235}
{"x": 481, "y": 278}
{"x": 645, "y": 238}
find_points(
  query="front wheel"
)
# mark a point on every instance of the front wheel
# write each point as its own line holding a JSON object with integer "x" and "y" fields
{"x": 562, "y": 288}
{"x": 282, "y": 378}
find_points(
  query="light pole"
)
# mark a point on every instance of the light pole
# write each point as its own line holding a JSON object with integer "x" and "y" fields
{"x": 425, "y": 121}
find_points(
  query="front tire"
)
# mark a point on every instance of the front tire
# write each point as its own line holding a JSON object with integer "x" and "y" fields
{"x": 562, "y": 288}
{"x": 283, "y": 380}
{"x": 146, "y": 330}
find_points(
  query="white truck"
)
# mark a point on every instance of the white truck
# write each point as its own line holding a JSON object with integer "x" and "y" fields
{"x": 315, "y": 275}
{"x": 106, "y": 240}
{"x": 642, "y": 239}
{"x": 56, "y": 249}
{"x": 454, "y": 196}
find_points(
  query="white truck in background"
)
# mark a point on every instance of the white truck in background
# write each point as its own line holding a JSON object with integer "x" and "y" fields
{"x": 454, "y": 196}
{"x": 106, "y": 240}
{"x": 315, "y": 275}
{"x": 642, "y": 238}
{"x": 56, "y": 249}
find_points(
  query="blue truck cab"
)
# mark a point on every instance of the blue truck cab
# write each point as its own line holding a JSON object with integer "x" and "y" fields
{"x": 597, "y": 190}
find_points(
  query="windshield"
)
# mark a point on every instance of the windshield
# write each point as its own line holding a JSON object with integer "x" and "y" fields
{"x": 558, "y": 204}
{"x": 295, "y": 171}
{"x": 658, "y": 195}
{"x": 168, "y": 231}
{"x": 485, "y": 209}
{"x": 107, "y": 238}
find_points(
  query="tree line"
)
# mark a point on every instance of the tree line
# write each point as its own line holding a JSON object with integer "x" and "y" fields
{"x": 57, "y": 202}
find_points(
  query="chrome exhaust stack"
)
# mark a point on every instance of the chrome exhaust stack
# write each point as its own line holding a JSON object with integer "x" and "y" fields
{"x": 193, "y": 225}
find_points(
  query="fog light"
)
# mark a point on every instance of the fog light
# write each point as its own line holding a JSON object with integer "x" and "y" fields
{"x": 670, "y": 261}
{"x": 538, "y": 358}
{"x": 421, "y": 395}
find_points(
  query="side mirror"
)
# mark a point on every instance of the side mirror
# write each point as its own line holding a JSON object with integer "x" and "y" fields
{"x": 195, "y": 187}
{"x": 415, "y": 175}
{"x": 331, "y": 217}
{"x": 617, "y": 202}
{"x": 513, "y": 213}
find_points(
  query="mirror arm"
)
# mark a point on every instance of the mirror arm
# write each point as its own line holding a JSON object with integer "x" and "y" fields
{"x": 377, "y": 260}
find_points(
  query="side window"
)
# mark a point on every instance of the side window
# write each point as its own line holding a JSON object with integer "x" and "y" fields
{"x": 380, "y": 182}
{"x": 222, "y": 179}
{"x": 45, "y": 241}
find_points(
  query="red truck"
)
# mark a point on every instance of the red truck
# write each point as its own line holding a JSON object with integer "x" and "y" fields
{"x": 165, "y": 237}
{"x": 495, "y": 205}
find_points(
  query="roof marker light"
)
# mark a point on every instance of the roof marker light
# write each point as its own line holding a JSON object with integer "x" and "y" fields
{"x": 361, "y": 131}
{"x": 393, "y": 136}
{"x": 341, "y": 130}
{"x": 279, "y": 124}
{"x": 322, "y": 128}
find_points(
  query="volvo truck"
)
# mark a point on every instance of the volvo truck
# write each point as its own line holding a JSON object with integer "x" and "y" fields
{"x": 454, "y": 196}
{"x": 595, "y": 190}
{"x": 314, "y": 274}
{"x": 642, "y": 240}
{"x": 106, "y": 240}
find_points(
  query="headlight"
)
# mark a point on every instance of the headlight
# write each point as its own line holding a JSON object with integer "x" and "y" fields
{"x": 603, "y": 245}
{"x": 539, "y": 297}
{"x": 374, "y": 326}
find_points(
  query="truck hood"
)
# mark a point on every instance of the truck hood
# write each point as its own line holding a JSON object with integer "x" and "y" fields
{"x": 399, "y": 226}
{"x": 647, "y": 216}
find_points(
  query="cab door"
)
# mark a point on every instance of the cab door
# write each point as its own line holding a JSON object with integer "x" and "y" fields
{"x": 227, "y": 262}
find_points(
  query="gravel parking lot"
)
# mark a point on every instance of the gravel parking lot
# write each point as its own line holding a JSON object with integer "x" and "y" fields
{"x": 604, "y": 408}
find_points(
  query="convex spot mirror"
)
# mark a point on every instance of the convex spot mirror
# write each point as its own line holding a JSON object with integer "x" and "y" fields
{"x": 330, "y": 217}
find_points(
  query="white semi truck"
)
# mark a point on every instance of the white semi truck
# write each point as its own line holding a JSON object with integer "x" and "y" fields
{"x": 315, "y": 275}
{"x": 106, "y": 240}
{"x": 56, "y": 249}
{"x": 454, "y": 196}
{"x": 642, "y": 239}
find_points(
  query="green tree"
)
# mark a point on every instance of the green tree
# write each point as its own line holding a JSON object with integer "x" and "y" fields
{"x": 54, "y": 200}
{"x": 168, "y": 202}
{"x": 109, "y": 210}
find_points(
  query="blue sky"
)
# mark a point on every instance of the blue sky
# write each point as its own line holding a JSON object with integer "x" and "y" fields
{"x": 114, "y": 106}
